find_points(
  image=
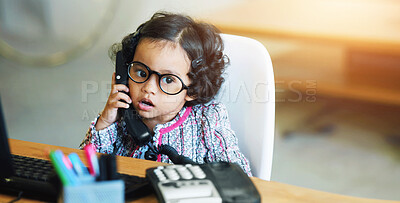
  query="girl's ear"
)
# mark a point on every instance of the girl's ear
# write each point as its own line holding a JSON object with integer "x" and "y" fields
{"x": 189, "y": 98}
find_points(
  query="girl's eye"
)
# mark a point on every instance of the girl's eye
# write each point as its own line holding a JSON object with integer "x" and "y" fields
{"x": 168, "y": 79}
{"x": 141, "y": 73}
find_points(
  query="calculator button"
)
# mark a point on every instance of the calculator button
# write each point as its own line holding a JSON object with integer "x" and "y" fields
{"x": 157, "y": 171}
{"x": 185, "y": 173}
{"x": 196, "y": 167}
{"x": 183, "y": 170}
{"x": 200, "y": 175}
{"x": 186, "y": 176}
{"x": 162, "y": 178}
{"x": 160, "y": 175}
{"x": 171, "y": 174}
{"x": 197, "y": 172}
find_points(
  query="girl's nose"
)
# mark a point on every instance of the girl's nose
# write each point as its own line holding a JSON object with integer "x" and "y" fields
{"x": 151, "y": 85}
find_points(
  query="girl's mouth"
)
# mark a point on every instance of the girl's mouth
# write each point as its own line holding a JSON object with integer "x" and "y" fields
{"x": 145, "y": 104}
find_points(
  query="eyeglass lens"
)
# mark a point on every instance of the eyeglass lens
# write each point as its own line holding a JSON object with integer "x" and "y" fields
{"x": 168, "y": 83}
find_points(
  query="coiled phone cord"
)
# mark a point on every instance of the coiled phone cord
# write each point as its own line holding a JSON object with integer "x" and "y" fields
{"x": 172, "y": 154}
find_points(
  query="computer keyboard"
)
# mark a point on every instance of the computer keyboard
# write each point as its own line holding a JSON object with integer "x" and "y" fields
{"x": 32, "y": 168}
{"x": 37, "y": 178}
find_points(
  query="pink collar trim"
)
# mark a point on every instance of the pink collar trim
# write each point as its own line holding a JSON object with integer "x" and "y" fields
{"x": 173, "y": 126}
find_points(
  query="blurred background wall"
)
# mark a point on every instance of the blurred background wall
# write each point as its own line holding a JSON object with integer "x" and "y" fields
{"x": 337, "y": 129}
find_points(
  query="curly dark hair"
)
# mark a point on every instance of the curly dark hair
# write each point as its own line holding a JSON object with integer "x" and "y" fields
{"x": 201, "y": 41}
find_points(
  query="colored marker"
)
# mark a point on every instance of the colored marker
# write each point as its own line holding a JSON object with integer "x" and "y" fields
{"x": 77, "y": 165}
{"x": 92, "y": 160}
{"x": 67, "y": 162}
{"x": 66, "y": 175}
{"x": 73, "y": 179}
{"x": 58, "y": 169}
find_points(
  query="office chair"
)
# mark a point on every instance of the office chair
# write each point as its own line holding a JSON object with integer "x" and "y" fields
{"x": 249, "y": 95}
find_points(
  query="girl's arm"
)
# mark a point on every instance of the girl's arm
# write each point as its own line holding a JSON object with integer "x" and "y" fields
{"x": 109, "y": 139}
{"x": 222, "y": 142}
{"x": 106, "y": 132}
{"x": 115, "y": 101}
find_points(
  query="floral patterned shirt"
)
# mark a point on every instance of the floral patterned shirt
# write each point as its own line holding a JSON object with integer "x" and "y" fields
{"x": 201, "y": 132}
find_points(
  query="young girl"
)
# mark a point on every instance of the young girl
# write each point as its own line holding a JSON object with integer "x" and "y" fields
{"x": 175, "y": 70}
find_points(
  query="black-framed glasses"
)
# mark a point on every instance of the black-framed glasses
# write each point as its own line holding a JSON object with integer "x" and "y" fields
{"x": 169, "y": 83}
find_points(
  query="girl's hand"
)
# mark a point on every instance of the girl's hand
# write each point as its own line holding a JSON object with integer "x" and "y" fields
{"x": 110, "y": 111}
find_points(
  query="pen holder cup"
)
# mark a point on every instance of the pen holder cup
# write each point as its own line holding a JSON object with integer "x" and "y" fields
{"x": 101, "y": 191}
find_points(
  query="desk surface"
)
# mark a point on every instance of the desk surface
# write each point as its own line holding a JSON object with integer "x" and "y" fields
{"x": 270, "y": 191}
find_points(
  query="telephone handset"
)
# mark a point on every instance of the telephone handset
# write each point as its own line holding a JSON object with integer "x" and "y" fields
{"x": 134, "y": 124}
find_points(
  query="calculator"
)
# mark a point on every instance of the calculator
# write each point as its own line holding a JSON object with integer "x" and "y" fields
{"x": 211, "y": 182}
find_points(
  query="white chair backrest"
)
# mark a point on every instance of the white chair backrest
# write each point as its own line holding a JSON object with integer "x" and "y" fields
{"x": 249, "y": 95}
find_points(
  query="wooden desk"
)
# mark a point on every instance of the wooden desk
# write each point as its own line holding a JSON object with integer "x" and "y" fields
{"x": 270, "y": 191}
{"x": 356, "y": 43}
